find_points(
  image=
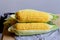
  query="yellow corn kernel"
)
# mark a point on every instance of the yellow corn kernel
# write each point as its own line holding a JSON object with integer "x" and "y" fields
{"x": 29, "y": 15}
{"x": 32, "y": 26}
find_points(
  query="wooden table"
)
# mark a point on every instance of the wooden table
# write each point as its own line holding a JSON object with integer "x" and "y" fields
{"x": 9, "y": 36}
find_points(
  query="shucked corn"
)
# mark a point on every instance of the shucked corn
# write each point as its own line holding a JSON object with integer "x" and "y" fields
{"x": 32, "y": 26}
{"x": 29, "y": 15}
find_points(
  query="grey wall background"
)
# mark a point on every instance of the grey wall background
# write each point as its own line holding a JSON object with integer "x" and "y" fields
{"x": 52, "y": 6}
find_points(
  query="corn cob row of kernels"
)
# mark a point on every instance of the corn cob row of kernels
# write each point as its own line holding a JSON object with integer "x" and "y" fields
{"x": 29, "y": 15}
{"x": 32, "y": 26}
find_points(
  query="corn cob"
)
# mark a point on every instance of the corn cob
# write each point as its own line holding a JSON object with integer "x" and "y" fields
{"x": 32, "y": 26}
{"x": 29, "y": 15}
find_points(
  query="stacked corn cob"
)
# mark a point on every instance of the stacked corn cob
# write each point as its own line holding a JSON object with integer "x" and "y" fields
{"x": 33, "y": 16}
{"x": 30, "y": 22}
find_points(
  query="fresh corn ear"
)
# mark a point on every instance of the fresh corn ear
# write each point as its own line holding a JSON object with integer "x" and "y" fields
{"x": 29, "y": 15}
{"x": 31, "y": 28}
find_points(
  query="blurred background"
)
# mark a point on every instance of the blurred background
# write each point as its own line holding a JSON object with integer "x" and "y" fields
{"x": 52, "y": 6}
{"x": 11, "y": 6}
